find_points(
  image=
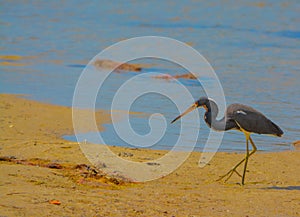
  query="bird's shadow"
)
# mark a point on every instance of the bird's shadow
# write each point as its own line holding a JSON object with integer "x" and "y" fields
{"x": 290, "y": 188}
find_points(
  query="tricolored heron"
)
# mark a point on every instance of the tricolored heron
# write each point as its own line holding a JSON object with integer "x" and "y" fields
{"x": 239, "y": 117}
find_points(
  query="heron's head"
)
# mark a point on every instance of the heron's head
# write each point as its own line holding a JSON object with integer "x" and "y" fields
{"x": 202, "y": 102}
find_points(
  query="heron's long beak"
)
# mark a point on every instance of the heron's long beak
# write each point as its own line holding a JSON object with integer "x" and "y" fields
{"x": 194, "y": 106}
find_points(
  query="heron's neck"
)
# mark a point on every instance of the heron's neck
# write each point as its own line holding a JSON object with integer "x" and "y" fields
{"x": 210, "y": 118}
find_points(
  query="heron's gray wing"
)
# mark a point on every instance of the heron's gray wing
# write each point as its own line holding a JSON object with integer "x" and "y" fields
{"x": 252, "y": 120}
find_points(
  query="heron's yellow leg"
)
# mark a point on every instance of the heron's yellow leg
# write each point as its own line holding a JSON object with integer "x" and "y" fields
{"x": 246, "y": 158}
{"x": 253, "y": 146}
{"x": 233, "y": 170}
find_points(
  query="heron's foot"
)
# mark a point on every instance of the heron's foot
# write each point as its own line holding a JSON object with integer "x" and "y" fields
{"x": 229, "y": 174}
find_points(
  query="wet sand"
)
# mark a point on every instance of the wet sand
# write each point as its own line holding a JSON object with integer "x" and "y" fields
{"x": 44, "y": 175}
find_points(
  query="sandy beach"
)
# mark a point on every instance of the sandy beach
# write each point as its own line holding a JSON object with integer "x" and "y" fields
{"x": 45, "y": 175}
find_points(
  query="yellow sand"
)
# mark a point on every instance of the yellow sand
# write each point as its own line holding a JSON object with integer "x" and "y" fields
{"x": 31, "y": 130}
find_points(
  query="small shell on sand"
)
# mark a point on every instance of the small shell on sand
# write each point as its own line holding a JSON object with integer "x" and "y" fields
{"x": 55, "y": 202}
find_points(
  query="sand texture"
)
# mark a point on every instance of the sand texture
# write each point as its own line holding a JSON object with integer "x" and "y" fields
{"x": 43, "y": 175}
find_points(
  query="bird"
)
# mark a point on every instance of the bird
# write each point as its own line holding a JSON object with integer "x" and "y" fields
{"x": 239, "y": 117}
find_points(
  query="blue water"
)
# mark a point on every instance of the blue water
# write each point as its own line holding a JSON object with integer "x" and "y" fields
{"x": 254, "y": 49}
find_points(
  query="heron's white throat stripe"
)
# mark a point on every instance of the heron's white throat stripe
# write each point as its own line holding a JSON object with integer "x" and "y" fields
{"x": 241, "y": 112}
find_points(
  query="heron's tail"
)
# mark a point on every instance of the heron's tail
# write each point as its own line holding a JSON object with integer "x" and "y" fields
{"x": 277, "y": 131}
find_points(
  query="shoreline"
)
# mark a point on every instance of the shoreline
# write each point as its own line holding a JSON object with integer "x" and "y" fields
{"x": 32, "y": 152}
{"x": 291, "y": 147}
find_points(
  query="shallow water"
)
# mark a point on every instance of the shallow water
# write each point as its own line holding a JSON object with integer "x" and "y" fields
{"x": 253, "y": 47}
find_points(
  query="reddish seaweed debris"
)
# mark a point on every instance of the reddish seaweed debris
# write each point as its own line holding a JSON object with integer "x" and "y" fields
{"x": 54, "y": 166}
{"x": 81, "y": 172}
{"x": 109, "y": 64}
{"x": 7, "y": 158}
{"x": 92, "y": 173}
{"x": 184, "y": 76}
{"x": 166, "y": 76}
{"x": 31, "y": 162}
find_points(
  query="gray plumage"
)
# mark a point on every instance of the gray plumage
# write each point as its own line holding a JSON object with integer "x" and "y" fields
{"x": 239, "y": 117}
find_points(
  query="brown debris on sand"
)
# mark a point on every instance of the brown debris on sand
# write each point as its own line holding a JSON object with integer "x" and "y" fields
{"x": 109, "y": 64}
{"x": 296, "y": 144}
{"x": 80, "y": 173}
{"x": 32, "y": 162}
